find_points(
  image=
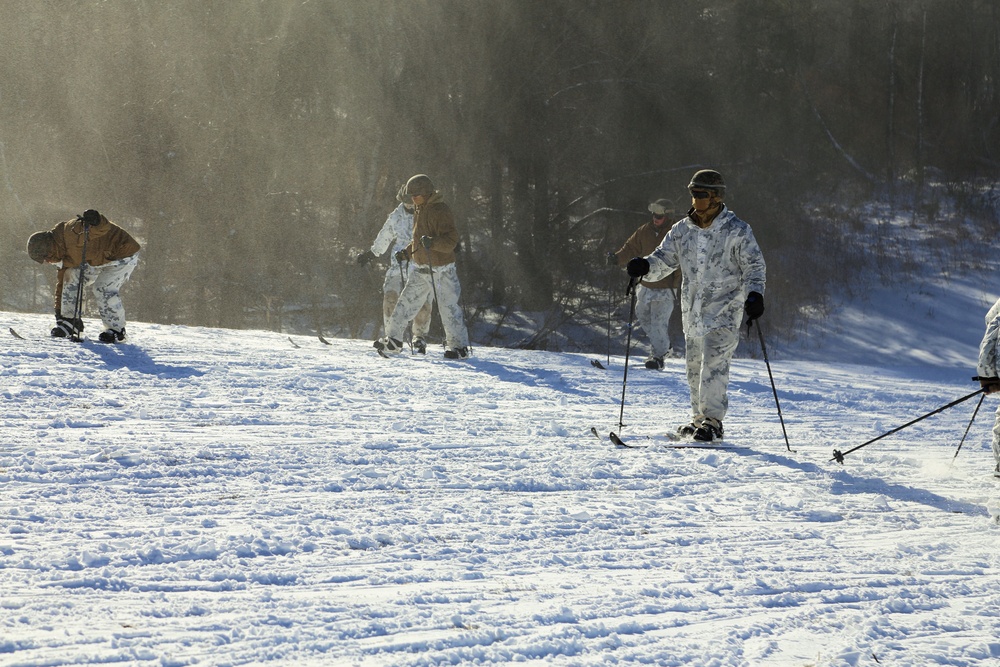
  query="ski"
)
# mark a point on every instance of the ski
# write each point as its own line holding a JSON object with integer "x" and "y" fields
{"x": 294, "y": 344}
{"x": 324, "y": 341}
{"x": 596, "y": 364}
{"x": 668, "y": 441}
{"x": 76, "y": 339}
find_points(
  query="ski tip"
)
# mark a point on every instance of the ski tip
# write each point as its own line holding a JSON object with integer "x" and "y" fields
{"x": 294, "y": 344}
{"x": 596, "y": 364}
{"x": 15, "y": 334}
{"x": 618, "y": 442}
{"x": 324, "y": 341}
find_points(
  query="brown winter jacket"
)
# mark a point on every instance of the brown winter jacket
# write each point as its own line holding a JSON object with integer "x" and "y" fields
{"x": 645, "y": 240}
{"x": 106, "y": 242}
{"x": 433, "y": 219}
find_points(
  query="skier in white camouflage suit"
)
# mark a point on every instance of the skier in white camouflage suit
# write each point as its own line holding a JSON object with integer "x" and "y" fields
{"x": 989, "y": 371}
{"x": 432, "y": 252}
{"x": 723, "y": 276}
{"x": 396, "y": 234}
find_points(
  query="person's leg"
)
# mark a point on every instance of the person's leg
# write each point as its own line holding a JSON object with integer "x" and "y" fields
{"x": 413, "y": 296}
{"x": 108, "y": 282}
{"x": 392, "y": 285}
{"x": 719, "y": 346}
{"x": 695, "y": 360}
{"x": 422, "y": 320}
{"x": 660, "y": 304}
{"x": 449, "y": 293}
{"x": 996, "y": 442}
{"x": 71, "y": 286}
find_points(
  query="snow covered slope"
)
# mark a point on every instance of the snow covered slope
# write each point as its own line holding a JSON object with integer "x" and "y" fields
{"x": 217, "y": 497}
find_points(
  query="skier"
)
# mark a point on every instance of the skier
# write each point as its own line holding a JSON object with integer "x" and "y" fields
{"x": 112, "y": 255}
{"x": 989, "y": 371}
{"x": 432, "y": 251}
{"x": 396, "y": 233}
{"x": 657, "y": 303}
{"x": 723, "y": 276}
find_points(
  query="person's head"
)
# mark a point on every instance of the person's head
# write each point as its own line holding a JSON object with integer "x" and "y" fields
{"x": 404, "y": 198}
{"x": 707, "y": 189}
{"x": 663, "y": 211}
{"x": 41, "y": 247}
{"x": 419, "y": 188}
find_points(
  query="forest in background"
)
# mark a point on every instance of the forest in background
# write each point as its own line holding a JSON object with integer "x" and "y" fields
{"x": 254, "y": 146}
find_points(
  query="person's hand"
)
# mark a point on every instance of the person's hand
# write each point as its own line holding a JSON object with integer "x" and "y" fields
{"x": 612, "y": 259}
{"x": 365, "y": 257}
{"x": 426, "y": 241}
{"x": 754, "y": 306}
{"x": 402, "y": 256}
{"x": 991, "y": 385}
{"x": 637, "y": 267}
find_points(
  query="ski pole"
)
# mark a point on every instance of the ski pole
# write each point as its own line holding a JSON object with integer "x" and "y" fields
{"x": 974, "y": 413}
{"x": 838, "y": 456}
{"x": 611, "y": 301}
{"x": 78, "y": 309}
{"x": 774, "y": 390}
{"x": 630, "y": 290}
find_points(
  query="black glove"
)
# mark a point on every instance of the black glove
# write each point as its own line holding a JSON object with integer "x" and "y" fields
{"x": 365, "y": 257}
{"x": 402, "y": 256}
{"x": 637, "y": 267}
{"x": 612, "y": 259}
{"x": 426, "y": 241}
{"x": 90, "y": 217}
{"x": 754, "y": 306}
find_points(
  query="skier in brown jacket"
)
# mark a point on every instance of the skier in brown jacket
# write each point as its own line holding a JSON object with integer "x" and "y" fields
{"x": 111, "y": 256}
{"x": 432, "y": 251}
{"x": 657, "y": 303}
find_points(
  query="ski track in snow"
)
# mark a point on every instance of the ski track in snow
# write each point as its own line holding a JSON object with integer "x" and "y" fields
{"x": 203, "y": 496}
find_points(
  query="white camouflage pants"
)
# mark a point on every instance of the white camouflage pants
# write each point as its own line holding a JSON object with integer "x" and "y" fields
{"x": 417, "y": 292}
{"x": 106, "y": 281}
{"x": 654, "y": 310}
{"x": 708, "y": 360}
{"x": 996, "y": 439}
{"x": 392, "y": 287}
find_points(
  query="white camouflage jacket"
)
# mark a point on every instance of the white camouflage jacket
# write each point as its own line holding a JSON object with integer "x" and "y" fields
{"x": 396, "y": 233}
{"x": 988, "y": 348}
{"x": 720, "y": 264}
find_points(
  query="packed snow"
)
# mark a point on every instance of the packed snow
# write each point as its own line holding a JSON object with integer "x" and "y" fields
{"x": 217, "y": 497}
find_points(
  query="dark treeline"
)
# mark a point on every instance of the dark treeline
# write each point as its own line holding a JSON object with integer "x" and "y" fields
{"x": 252, "y": 146}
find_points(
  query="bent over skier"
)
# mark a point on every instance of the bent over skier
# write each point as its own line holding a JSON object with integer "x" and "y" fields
{"x": 723, "y": 275}
{"x": 111, "y": 256}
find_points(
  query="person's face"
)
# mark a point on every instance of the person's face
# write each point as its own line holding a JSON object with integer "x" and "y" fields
{"x": 418, "y": 200}
{"x": 659, "y": 219}
{"x": 703, "y": 200}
